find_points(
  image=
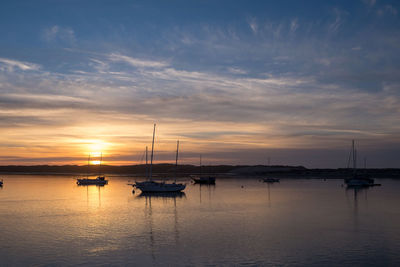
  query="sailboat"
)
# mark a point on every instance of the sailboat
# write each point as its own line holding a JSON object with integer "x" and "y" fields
{"x": 357, "y": 180}
{"x": 271, "y": 180}
{"x": 99, "y": 180}
{"x": 151, "y": 186}
{"x": 203, "y": 179}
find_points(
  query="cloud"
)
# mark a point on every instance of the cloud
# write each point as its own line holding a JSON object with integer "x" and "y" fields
{"x": 294, "y": 24}
{"x": 253, "y": 25}
{"x": 387, "y": 9}
{"x": 59, "y": 34}
{"x": 338, "y": 21}
{"x": 369, "y": 3}
{"x": 11, "y": 64}
{"x": 137, "y": 62}
{"x": 236, "y": 71}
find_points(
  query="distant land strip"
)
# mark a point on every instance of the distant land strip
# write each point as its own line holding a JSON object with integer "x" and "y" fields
{"x": 185, "y": 170}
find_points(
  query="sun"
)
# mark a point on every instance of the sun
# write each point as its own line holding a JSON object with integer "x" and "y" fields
{"x": 96, "y": 145}
{"x": 95, "y": 162}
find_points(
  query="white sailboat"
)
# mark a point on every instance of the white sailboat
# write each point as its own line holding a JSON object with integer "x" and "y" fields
{"x": 99, "y": 180}
{"x": 357, "y": 180}
{"x": 151, "y": 186}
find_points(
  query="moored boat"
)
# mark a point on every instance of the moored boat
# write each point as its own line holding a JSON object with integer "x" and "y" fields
{"x": 99, "y": 180}
{"x": 357, "y": 179}
{"x": 151, "y": 186}
{"x": 271, "y": 180}
{"x": 155, "y": 187}
{"x": 203, "y": 179}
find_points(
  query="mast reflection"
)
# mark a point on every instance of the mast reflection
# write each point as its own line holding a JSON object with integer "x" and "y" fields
{"x": 355, "y": 201}
{"x": 208, "y": 187}
{"x": 92, "y": 192}
{"x": 152, "y": 199}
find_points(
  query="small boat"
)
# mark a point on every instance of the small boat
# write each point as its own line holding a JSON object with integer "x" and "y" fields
{"x": 99, "y": 180}
{"x": 1, "y": 182}
{"x": 203, "y": 179}
{"x": 271, "y": 180}
{"x": 357, "y": 180}
{"x": 151, "y": 186}
{"x": 159, "y": 187}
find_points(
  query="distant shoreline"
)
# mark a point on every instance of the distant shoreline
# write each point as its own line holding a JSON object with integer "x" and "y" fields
{"x": 225, "y": 171}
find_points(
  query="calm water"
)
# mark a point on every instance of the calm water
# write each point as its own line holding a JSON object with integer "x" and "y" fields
{"x": 49, "y": 220}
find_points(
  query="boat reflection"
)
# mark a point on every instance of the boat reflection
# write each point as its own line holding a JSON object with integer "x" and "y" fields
{"x": 152, "y": 201}
{"x": 166, "y": 195}
{"x": 93, "y": 194}
{"x": 269, "y": 194}
{"x": 207, "y": 187}
{"x": 354, "y": 203}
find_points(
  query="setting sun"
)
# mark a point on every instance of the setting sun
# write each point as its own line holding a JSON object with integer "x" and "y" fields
{"x": 95, "y": 145}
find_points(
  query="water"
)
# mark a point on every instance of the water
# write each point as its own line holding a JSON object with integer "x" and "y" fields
{"x": 49, "y": 220}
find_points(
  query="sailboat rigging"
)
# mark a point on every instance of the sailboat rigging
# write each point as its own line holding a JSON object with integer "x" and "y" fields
{"x": 357, "y": 180}
{"x": 99, "y": 180}
{"x": 151, "y": 186}
{"x": 203, "y": 179}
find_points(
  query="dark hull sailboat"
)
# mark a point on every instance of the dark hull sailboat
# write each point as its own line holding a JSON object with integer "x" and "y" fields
{"x": 357, "y": 179}
{"x": 99, "y": 180}
{"x": 204, "y": 180}
{"x": 151, "y": 186}
{"x": 271, "y": 180}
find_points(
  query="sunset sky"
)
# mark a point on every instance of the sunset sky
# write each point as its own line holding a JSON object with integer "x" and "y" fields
{"x": 236, "y": 81}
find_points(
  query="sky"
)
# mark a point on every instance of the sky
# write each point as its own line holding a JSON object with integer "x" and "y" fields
{"x": 238, "y": 82}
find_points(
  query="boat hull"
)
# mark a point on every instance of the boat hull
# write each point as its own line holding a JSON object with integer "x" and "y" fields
{"x": 359, "y": 182}
{"x": 204, "y": 180}
{"x": 271, "y": 180}
{"x": 156, "y": 187}
{"x": 96, "y": 181}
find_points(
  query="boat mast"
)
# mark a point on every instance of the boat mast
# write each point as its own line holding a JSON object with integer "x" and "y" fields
{"x": 354, "y": 156}
{"x": 200, "y": 166}
{"x": 147, "y": 167}
{"x": 101, "y": 158}
{"x": 176, "y": 160}
{"x": 88, "y": 164}
{"x": 152, "y": 152}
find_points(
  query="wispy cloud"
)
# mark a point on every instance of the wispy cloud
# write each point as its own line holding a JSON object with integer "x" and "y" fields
{"x": 387, "y": 9}
{"x": 339, "y": 17}
{"x": 11, "y": 64}
{"x": 294, "y": 24}
{"x": 57, "y": 33}
{"x": 236, "y": 70}
{"x": 369, "y": 3}
{"x": 137, "y": 62}
{"x": 253, "y": 25}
